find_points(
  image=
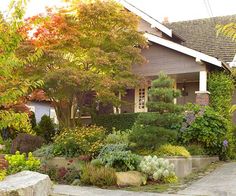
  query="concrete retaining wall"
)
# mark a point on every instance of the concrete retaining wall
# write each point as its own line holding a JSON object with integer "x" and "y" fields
{"x": 185, "y": 166}
{"x": 199, "y": 162}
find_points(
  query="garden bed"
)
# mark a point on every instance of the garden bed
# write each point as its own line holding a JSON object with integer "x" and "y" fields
{"x": 183, "y": 166}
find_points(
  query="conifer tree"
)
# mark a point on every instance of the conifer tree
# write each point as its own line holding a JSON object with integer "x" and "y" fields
{"x": 156, "y": 127}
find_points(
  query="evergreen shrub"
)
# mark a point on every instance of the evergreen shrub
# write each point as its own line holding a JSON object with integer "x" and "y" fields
{"x": 158, "y": 126}
{"x": 120, "y": 122}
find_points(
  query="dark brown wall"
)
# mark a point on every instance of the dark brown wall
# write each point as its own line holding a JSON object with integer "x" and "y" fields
{"x": 169, "y": 61}
{"x": 128, "y": 106}
{"x": 190, "y": 88}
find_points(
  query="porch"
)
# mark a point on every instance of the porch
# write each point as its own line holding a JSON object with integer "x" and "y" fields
{"x": 193, "y": 87}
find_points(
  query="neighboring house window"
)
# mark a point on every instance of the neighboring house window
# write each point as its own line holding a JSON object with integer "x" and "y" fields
{"x": 53, "y": 115}
{"x": 141, "y": 99}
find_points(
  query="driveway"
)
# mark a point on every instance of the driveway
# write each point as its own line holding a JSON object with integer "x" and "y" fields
{"x": 221, "y": 182}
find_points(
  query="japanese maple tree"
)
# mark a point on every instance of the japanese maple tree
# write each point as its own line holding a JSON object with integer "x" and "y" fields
{"x": 88, "y": 47}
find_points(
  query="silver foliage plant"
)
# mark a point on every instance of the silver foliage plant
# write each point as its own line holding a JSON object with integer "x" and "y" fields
{"x": 156, "y": 168}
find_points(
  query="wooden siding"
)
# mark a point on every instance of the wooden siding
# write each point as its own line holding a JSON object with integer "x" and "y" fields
{"x": 167, "y": 60}
{"x": 146, "y": 27}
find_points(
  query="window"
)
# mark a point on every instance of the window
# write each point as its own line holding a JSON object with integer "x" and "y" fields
{"x": 140, "y": 100}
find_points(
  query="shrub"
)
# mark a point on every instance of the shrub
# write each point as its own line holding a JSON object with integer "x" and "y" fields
{"x": 19, "y": 162}
{"x": 195, "y": 149}
{"x": 155, "y": 127}
{"x": 170, "y": 179}
{"x": 111, "y": 148}
{"x": 121, "y": 160}
{"x": 5, "y": 145}
{"x": 170, "y": 150}
{"x": 209, "y": 129}
{"x": 157, "y": 169}
{"x": 118, "y": 121}
{"x": 98, "y": 176}
{"x": 26, "y": 143}
{"x": 150, "y": 137}
{"x": 118, "y": 137}
{"x": 221, "y": 86}
{"x": 45, "y": 151}
{"x": 79, "y": 141}
{"x": 46, "y": 128}
{"x": 3, "y": 174}
{"x": 61, "y": 175}
{"x": 33, "y": 120}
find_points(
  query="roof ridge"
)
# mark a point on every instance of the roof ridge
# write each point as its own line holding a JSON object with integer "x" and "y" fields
{"x": 201, "y": 19}
{"x": 143, "y": 12}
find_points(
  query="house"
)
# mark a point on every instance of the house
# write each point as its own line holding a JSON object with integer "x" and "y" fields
{"x": 186, "y": 51}
{"x": 41, "y": 105}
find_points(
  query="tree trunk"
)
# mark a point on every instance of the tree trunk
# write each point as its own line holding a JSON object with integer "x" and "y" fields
{"x": 65, "y": 116}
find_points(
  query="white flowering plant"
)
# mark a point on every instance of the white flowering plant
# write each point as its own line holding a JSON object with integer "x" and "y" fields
{"x": 157, "y": 169}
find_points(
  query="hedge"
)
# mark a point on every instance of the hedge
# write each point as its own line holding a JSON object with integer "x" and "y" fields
{"x": 118, "y": 121}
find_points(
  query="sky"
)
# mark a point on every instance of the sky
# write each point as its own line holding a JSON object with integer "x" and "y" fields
{"x": 175, "y": 10}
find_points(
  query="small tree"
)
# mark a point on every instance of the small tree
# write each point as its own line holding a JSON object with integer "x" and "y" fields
{"x": 46, "y": 128}
{"x": 154, "y": 128}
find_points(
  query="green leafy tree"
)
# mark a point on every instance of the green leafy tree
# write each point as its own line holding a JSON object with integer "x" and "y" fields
{"x": 228, "y": 30}
{"x": 12, "y": 86}
{"x": 154, "y": 128}
{"x": 88, "y": 48}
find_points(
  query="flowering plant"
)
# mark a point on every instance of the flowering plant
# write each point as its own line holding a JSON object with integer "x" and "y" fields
{"x": 157, "y": 169}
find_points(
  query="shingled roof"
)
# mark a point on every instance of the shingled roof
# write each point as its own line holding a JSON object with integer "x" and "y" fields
{"x": 201, "y": 35}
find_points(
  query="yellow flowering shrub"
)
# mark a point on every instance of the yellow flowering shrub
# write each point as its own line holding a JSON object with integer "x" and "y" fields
{"x": 79, "y": 141}
{"x": 170, "y": 150}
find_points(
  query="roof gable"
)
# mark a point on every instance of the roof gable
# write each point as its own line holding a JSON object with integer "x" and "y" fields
{"x": 154, "y": 23}
{"x": 185, "y": 50}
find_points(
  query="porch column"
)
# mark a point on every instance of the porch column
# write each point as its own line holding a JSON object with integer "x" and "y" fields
{"x": 175, "y": 87}
{"x": 202, "y": 96}
{"x": 117, "y": 110}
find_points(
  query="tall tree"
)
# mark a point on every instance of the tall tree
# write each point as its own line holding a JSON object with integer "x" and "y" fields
{"x": 12, "y": 86}
{"x": 88, "y": 47}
